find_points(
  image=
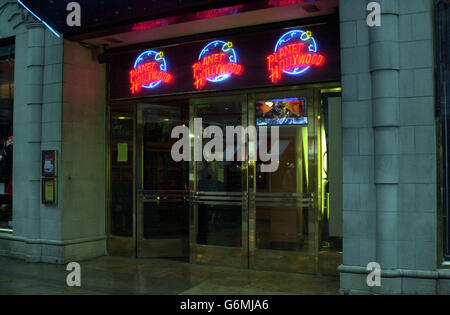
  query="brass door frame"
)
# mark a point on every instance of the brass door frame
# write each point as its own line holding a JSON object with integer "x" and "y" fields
{"x": 120, "y": 245}
{"x": 208, "y": 254}
{"x": 127, "y": 246}
{"x": 249, "y": 255}
{"x": 277, "y": 259}
{"x": 330, "y": 260}
{"x": 150, "y": 247}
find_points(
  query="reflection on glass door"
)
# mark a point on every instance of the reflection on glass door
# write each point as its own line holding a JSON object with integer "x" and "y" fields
{"x": 282, "y": 216}
{"x": 242, "y": 216}
{"x": 218, "y": 221}
{"x": 330, "y": 167}
{"x": 281, "y": 226}
{"x": 295, "y": 213}
{"x": 221, "y": 207}
{"x": 163, "y": 205}
{"x": 121, "y": 240}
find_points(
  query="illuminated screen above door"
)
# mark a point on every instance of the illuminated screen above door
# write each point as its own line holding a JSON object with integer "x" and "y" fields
{"x": 286, "y": 111}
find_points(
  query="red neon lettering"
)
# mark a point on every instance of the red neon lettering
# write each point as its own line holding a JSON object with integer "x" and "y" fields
{"x": 284, "y": 2}
{"x": 320, "y": 60}
{"x": 290, "y": 57}
{"x": 219, "y": 12}
{"x": 213, "y": 66}
{"x": 145, "y": 74}
{"x": 308, "y": 59}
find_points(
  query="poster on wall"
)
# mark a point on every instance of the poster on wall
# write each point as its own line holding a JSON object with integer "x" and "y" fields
{"x": 49, "y": 163}
{"x": 49, "y": 191}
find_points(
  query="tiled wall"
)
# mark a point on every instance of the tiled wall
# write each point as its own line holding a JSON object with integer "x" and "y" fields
{"x": 389, "y": 139}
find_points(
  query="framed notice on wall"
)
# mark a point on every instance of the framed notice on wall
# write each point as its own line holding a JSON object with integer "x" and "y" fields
{"x": 49, "y": 191}
{"x": 49, "y": 174}
{"x": 49, "y": 163}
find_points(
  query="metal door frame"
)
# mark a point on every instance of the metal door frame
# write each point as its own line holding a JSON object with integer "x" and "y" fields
{"x": 284, "y": 260}
{"x": 248, "y": 98}
{"x": 120, "y": 245}
{"x": 248, "y": 256}
{"x": 209, "y": 254}
{"x": 151, "y": 247}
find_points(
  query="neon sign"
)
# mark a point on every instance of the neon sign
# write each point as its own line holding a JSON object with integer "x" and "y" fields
{"x": 295, "y": 53}
{"x": 150, "y": 70}
{"x": 217, "y": 62}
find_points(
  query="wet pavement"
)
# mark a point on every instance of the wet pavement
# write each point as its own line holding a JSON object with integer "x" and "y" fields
{"x": 117, "y": 275}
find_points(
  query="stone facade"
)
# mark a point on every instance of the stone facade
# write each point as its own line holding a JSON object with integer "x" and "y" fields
{"x": 48, "y": 73}
{"x": 389, "y": 147}
{"x": 389, "y": 143}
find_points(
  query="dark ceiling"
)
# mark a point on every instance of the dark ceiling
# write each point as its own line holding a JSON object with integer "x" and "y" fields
{"x": 100, "y": 14}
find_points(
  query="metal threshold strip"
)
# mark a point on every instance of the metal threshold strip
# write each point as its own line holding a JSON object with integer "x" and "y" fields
{"x": 229, "y": 198}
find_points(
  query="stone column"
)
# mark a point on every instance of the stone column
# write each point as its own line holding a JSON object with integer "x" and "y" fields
{"x": 35, "y": 73}
{"x": 385, "y": 67}
{"x": 359, "y": 191}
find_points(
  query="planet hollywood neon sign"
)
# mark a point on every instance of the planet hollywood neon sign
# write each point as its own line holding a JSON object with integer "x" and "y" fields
{"x": 296, "y": 52}
{"x": 216, "y": 63}
{"x": 149, "y": 71}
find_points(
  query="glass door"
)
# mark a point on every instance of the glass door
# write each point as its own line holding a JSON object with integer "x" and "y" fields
{"x": 223, "y": 205}
{"x": 162, "y": 201}
{"x": 282, "y": 214}
{"x": 219, "y": 209}
{"x": 245, "y": 215}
